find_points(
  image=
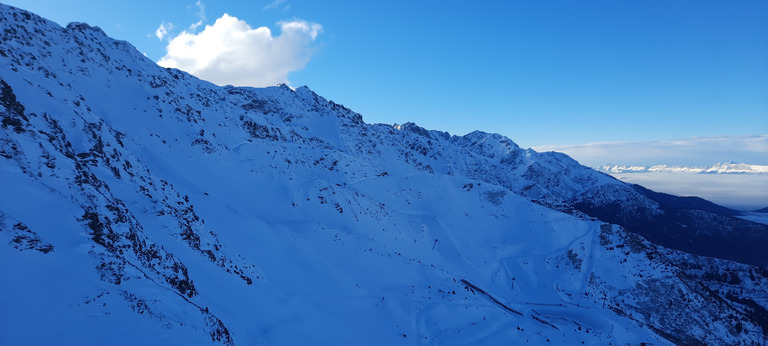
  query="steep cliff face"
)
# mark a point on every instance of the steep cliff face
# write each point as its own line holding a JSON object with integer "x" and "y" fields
{"x": 137, "y": 198}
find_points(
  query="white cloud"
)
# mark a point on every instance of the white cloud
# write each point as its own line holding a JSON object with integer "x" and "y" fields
{"x": 163, "y": 30}
{"x": 300, "y": 26}
{"x": 200, "y": 16}
{"x": 696, "y": 151}
{"x": 232, "y": 52}
{"x": 201, "y": 9}
{"x": 273, "y": 4}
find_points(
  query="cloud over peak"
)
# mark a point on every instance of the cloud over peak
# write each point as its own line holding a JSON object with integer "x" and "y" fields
{"x": 232, "y": 52}
{"x": 162, "y": 30}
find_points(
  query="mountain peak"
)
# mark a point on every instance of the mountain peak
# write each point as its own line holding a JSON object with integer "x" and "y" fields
{"x": 83, "y": 27}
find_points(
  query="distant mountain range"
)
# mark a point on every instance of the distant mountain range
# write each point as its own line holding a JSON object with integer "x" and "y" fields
{"x": 720, "y": 168}
{"x": 142, "y": 205}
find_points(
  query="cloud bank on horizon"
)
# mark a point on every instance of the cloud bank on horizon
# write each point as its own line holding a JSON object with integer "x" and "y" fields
{"x": 232, "y": 52}
{"x": 695, "y": 151}
{"x": 738, "y": 191}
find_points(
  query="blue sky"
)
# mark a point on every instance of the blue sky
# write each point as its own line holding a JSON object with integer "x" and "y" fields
{"x": 539, "y": 72}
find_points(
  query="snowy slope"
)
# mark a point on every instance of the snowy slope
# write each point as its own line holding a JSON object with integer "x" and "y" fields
{"x": 140, "y": 204}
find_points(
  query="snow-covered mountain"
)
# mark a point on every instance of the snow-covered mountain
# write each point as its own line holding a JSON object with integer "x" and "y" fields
{"x": 140, "y": 204}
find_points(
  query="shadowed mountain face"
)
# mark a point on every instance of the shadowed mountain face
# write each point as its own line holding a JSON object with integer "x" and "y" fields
{"x": 690, "y": 224}
{"x": 137, "y": 198}
{"x": 689, "y": 203}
